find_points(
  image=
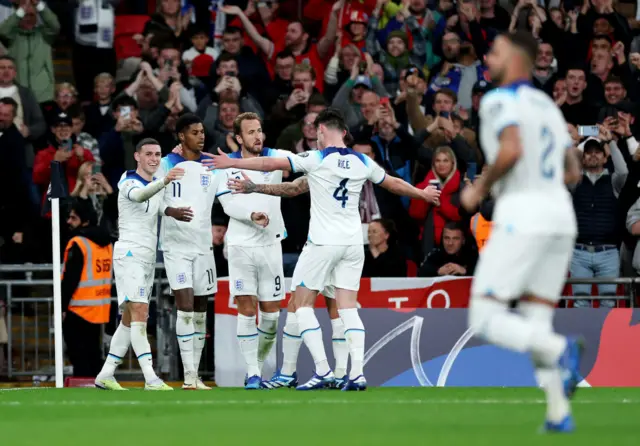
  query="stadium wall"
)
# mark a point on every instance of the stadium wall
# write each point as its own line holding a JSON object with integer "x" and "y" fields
{"x": 417, "y": 336}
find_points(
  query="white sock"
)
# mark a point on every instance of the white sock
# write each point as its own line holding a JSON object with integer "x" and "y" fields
{"x": 184, "y": 333}
{"x": 267, "y": 331}
{"x": 354, "y": 333}
{"x": 312, "y": 336}
{"x": 493, "y": 321}
{"x": 550, "y": 379}
{"x": 117, "y": 349}
{"x": 199, "y": 337}
{"x": 142, "y": 349}
{"x": 340, "y": 347}
{"x": 291, "y": 342}
{"x": 247, "y": 334}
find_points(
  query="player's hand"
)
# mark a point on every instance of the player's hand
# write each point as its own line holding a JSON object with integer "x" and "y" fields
{"x": 470, "y": 198}
{"x": 180, "y": 214}
{"x": 177, "y": 149}
{"x": 245, "y": 186}
{"x": 260, "y": 218}
{"x": 431, "y": 194}
{"x": 174, "y": 174}
{"x": 219, "y": 161}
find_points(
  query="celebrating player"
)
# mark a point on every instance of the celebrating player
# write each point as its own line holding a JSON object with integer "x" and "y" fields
{"x": 525, "y": 138}
{"x": 255, "y": 253}
{"x": 187, "y": 246}
{"x": 334, "y": 254}
{"x": 291, "y": 339}
{"x": 134, "y": 258}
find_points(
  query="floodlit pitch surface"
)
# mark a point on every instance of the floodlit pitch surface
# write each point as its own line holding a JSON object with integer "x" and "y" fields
{"x": 388, "y": 416}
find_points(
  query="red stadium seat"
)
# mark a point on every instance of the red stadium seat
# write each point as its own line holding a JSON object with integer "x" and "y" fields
{"x": 126, "y": 26}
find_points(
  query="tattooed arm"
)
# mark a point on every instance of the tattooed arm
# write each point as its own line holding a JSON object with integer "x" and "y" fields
{"x": 246, "y": 186}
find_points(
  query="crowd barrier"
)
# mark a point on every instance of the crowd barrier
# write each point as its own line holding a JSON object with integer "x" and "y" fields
{"x": 27, "y": 290}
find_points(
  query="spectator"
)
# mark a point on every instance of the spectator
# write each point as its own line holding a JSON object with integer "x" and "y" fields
{"x": 117, "y": 146}
{"x": 383, "y": 258}
{"x": 251, "y": 68}
{"x": 292, "y": 109}
{"x": 575, "y": 106}
{"x": 65, "y": 96}
{"x": 31, "y": 31}
{"x": 83, "y": 138}
{"x": 309, "y": 140}
{"x": 93, "y": 51}
{"x": 544, "y": 73}
{"x": 64, "y": 149}
{"x": 297, "y": 40}
{"x": 91, "y": 185}
{"x": 29, "y": 119}
{"x": 222, "y": 131}
{"x": 433, "y": 218}
{"x": 169, "y": 19}
{"x": 218, "y": 232}
{"x": 595, "y": 200}
{"x": 376, "y": 202}
{"x": 493, "y": 15}
{"x": 199, "y": 47}
{"x": 281, "y": 87}
{"x": 456, "y": 255}
{"x": 99, "y": 118}
{"x": 359, "y": 96}
{"x": 14, "y": 182}
{"x": 228, "y": 87}
{"x": 396, "y": 56}
{"x": 292, "y": 134}
{"x": 170, "y": 69}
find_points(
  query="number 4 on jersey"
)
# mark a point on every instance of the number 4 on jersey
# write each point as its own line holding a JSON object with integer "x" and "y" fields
{"x": 341, "y": 191}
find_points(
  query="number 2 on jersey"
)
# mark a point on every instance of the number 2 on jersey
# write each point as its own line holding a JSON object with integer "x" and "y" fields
{"x": 177, "y": 189}
{"x": 548, "y": 141}
{"x": 341, "y": 191}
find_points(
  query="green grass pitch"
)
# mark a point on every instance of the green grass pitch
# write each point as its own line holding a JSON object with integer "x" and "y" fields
{"x": 387, "y": 416}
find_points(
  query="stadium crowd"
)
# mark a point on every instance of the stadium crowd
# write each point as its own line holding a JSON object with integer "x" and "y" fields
{"x": 407, "y": 74}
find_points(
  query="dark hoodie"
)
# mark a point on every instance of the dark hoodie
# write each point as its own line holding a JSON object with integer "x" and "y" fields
{"x": 467, "y": 257}
{"x": 75, "y": 260}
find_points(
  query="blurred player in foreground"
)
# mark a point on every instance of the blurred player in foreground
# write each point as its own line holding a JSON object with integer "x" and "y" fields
{"x": 291, "y": 339}
{"x": 187, "y": 246}
{"x": 334, "y": 254}
{"x": 134, "y": 260}
{"x": 529, "y": 149}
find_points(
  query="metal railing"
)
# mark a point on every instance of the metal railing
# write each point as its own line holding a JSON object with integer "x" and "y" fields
{"x": 31, "y": 355}
{"x": 31, "y": 298}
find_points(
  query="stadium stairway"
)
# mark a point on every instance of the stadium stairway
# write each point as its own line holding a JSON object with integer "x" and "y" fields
{"x": 62, "y": 66}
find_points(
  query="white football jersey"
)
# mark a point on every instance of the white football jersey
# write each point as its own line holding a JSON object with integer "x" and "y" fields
{"x": 244, "y": 233}
{"x": 196, "y": 189}
{"x": 336, "y": 177}
{"x": 137, "y": 222}
{"x": 531, "y": 197}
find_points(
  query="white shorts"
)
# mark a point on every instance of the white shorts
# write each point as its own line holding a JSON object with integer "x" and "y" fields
{"x": 197, "y": 271}
{"x": 328, "y": 291}
{"x": 513, "y": 265}
{"x": 257, "y": 271}
{"x": 134, "y": 280}
{"x": 320, "y": 266}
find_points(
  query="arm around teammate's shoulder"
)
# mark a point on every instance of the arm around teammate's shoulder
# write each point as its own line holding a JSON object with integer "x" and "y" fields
{"x": 400, "y": 187}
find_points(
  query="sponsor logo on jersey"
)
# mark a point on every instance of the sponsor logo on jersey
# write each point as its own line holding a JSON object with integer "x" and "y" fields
{"x": 181, "y": 278}
{"x": 239, "y": 284}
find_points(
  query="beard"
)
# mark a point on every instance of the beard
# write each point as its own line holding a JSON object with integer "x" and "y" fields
{"x": 253, "y": 149}
{"x": 497, "y": 76}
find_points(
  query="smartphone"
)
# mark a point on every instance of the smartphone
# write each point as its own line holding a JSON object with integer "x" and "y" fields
{"x": 298, "y": 86}
{"x": 230, "y": 73}
{"x": 384, "y": 101}
{"x": 472, "y": 171}
{"x": 444, "y": 114}
{"x": 67, "y": 144}
{"x": 95, "y": 169}
{"x": 168, "y": 64}
{"x": 125, "y": 112}
{"x": 588, "y": 130}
